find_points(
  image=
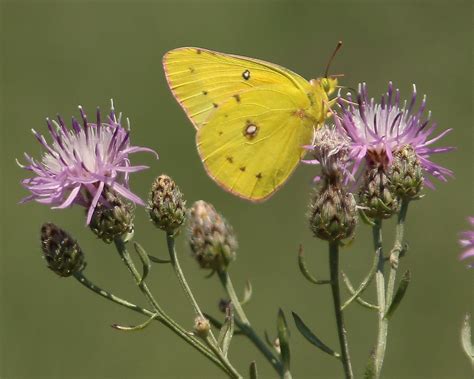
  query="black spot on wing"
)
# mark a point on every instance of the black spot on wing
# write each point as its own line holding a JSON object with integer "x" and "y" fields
{"x": 204, "y": 93}
{"x": 230, "y": 159}
{"x": 246, "y": 75}
{"x": 259, "y": 175}
{"x": 237, "y": 98}
{"x": 250, "y": 130}
{"x": 198, "y": 51}
{"x": 243, "y": 168}
{"x": 215, "y": 105}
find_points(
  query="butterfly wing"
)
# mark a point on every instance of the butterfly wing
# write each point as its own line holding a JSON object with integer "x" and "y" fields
{"x": 251, "y": 144}
{"x": 202, "y": 79}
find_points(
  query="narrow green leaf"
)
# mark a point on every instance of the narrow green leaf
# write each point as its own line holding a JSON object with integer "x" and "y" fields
{"x": 359, "y": 299}
{"x": 366, "y": 218}
{"x": 304, "y": 269}
{"x": 466, "y": 340}
{"x": 365, "y": 282}
{"x": 253, "y": 370}
{"x": 210, "y": 275}
{"x": 227, "y": 331}
{"x": 382, "y": 205}
{"x": 268, "y": 340}
{"x": 284, "y": 338}
{"x": 311, "y": 337}
{"x": 401, "y": 290}
{"x": 158, "y": 260}
{"x": 247, "y": 293}
{"x": 146, "y": 264}
{"x": 134, "y": 328}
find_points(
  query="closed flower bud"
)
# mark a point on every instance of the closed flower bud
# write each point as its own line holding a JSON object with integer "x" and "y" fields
{"x": 202, "y": 326}
{"x": 332, "y": 213}
{"x": 406, "y": 173}
{"x": 166, "y": 205}
{"x": 113, "y": 219}
{"x": 376, "y": 197}
{"x": 61, "y": 252}
{"x": 211, "y": 237}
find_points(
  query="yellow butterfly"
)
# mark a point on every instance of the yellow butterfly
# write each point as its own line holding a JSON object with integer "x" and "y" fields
{"x": 252, "y": 117}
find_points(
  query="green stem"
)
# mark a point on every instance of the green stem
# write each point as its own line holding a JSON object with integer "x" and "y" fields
{"x": 243, "y": 323}
{"x": 211, "y": 339}
{"x": 380, "y": 283}
{"x": 395, "y": 253}
{"x": 385, "y": 295}
{"x": 229, "y": 287}
{"x": 145, "y": 290}
{"x": 162, "y": 318}
{"x": 334, "y": 270}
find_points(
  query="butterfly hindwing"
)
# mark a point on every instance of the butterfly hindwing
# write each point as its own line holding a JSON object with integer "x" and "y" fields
{"x": 252, "y": 144}
{"x": 202, "y": 80}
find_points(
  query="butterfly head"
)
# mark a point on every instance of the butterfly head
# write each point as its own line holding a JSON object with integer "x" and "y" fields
{"x": 326, "y": 85}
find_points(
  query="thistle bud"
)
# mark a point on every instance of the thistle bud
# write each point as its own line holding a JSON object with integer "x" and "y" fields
{"x": 61, "y": 252}
{"x": 211, "y": 237}
{"x": 376, "y": 197}
{"x": 202, "y": 326}
{"x": 166, "y": 206}
{"x": 113, "y": 218}
{"x": 406, "y": 174}
{"x": 332, "y": 213}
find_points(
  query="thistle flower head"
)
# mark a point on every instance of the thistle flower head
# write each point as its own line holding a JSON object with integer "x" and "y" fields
{"x": 378, "y": 131}
{"x": 467, "y": 242}
{"x": 81, "y": 162}
{"x": 166, "y": 205}
{"x": 112, "y": 218}
{"x": 61, "y": 252}
{"x": 332, "y": 211}
{"x": 211, "y": 237}
{"x": 330, "y": 149}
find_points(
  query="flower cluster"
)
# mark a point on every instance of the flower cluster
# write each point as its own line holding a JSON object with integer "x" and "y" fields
{"x": 384, "y": 149}
{"x": 378, "y": 131}
{"x": 81, "y": 162}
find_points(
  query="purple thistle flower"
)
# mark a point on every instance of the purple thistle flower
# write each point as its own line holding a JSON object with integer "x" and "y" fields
{"x": 81, "y": 162}
{"x": 467, "y": 242}
{"x": 377, "y": 131}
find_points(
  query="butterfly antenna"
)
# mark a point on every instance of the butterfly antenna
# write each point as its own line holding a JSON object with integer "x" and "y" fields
{"x": 339, "y": 45}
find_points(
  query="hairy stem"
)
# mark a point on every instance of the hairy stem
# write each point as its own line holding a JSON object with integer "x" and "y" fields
{"x": 162, "y": 318}
{"x": 385, "y": 296}
{"x": 211, "y": 339}
{"x": 334, "y": 270}
{"x": 243, "y": 323}
{"x": 380, "y": 283}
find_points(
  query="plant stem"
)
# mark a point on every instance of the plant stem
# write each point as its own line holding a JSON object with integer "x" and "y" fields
{"x": 385, "y": 297}
{"x": 162, "y": 318}
{"x": 395, "y": 253}
{"x": 244, "y": 324}
{"x": 145, "y": 290}
{"x": 380, "y": 283}
{"x": 334, "y": 270}
{"x": 211, "y": 339}
{"x": 229, "y": 287}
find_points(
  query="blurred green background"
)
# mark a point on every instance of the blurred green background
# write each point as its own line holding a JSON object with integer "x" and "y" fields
{"x": 56, "y": 55}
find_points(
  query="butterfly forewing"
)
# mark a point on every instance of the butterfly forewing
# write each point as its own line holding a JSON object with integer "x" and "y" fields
{"x": 202, "y": 80}
{"x": 251, "y": 146}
